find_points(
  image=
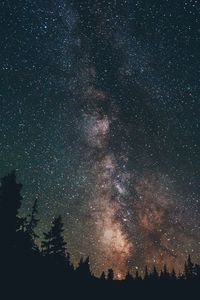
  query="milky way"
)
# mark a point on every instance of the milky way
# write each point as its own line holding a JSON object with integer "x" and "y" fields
{"x": 100, "y": 117}
{"x": 110, "y": 235}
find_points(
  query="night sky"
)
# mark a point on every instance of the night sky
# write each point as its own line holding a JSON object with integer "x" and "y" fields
{"x": 100, "y": 116}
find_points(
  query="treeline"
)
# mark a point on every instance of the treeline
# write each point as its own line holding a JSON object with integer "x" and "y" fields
{"x": 29, "y": 268}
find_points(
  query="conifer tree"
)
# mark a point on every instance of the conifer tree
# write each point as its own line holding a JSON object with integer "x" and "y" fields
{"x": 155, "y": 275}
{"x": 83, "y": 269}
{"x": 189, "y": 268}
{"x": 54, "y": 245}
{"x": 165, "y": 273}
{"x": 46, "y": 243}
{"x": 173, "y": 274}
{"x": 32, "y": 224}
{"x": 146, "y": 273}
{"x": 103, "y": 276}
{"x": 128, "y": 277}
{"x": 138, "y": 278}
{"x": 110, "y": 275}
{"x": 10, "y": 202}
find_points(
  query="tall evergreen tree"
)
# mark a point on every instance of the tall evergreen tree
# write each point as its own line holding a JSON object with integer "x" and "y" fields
{"x": 161, "y": 275}
{"x": 185, "y": 270}
{"x": 166, "y": 274}
{"x": 54, "y": 245}
{"x": 146, "y": 273}
{"x": 128, "y": 277}
{"x": 138, "y": 278}
{"x": 69, "y": 265}
{"x": 46, "y": 243}
{"x": 10, "y": 202}
{"x": 83, "y": 269}
{"x": 110, "y": 275}
{"x": 32, "y": 224}
{"x": 103, "y": 276}
{"x": 155, "y": 274}
{"x": 173, "y": 275}
{"x": 33, "y": 220}
{"x": 189, "y": 268}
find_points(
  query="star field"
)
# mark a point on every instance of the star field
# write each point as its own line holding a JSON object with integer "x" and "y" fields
{"x": 99, "y": 110}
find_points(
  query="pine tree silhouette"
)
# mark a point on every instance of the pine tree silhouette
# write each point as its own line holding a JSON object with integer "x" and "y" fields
{"x": 21, "y": 265}
{"x": 138, "y": 278}
{"x": 110, "y": 275}
{"x": 83, "y": 269}
{"x": 57, "y": 243}
{"x": 46, "y": 243}
{"x": 189, "y": 268}
{"x": 128, "y": 277}
{"x": 53, "y": 244}
{"x": 16, "y": 252}
{"x": 162, "y": 275}
{"x": 33, "y": 220}
{"x": 146, "y": 273}
{"x": 185, "y": 270}
{"x": 166, "y": 274}
{"x": 69, "y": 265}
{"x": 32, "y": 224}
{"x": 154, "y": 274}
{"x": 103, "y": 276}
{"x": 173, "y": 274}
{"x": 10, "y": 202}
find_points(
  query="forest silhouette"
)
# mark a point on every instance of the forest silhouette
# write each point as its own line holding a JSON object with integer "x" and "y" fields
{"x": 46, "y": 271}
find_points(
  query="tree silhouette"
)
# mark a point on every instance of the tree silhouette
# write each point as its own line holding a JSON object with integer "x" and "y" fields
{"x": 138, "y": 278}
{"x": 69, "y": 265}
{"x": 161, "y": 275}
{"x": 189, "y": 268}
{"x": 46, "y": 243}
{"x": 33, "y": 220}
{"x": 54, "y": 245}
{"x": 146, "y": 273}
{"x": 103, "y": 276}
{"x": 154, "y": 274}
{"x": 173, "y": 274}
{"x": 83, "y": 269}
{"x": 165, "y": 274}
{"x": 20, "y": 263}
{"x": 10, "y": 202}
{"x": 32, "y": 224}
{"x": 110, "y": 275}
{"x": 128, "y": 277}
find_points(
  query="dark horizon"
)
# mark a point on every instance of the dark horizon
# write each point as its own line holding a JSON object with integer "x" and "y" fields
{"x": 48, "y": 269}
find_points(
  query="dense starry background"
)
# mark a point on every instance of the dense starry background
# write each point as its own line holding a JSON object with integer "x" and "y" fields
{"x": 100, "y": 116}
